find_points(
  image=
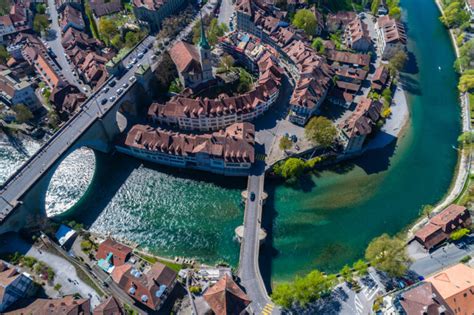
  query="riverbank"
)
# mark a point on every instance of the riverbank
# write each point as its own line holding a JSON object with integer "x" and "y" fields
{"x": 464, "y": 164}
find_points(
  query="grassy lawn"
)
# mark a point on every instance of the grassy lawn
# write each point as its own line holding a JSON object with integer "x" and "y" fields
{"x": 151, "y": 259}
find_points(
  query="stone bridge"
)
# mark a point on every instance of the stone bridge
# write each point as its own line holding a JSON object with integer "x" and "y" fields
{"x": 95, "y": 126}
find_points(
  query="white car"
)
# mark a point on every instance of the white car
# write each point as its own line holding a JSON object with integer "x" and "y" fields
{"x": 134, "y": 61}
{"x": 112, "y": 98}
{"x": 119, "y": 91}
{"x": 140, "y": 55}
{"x": 132, "y": 79}
{"x": 129, "y": 66}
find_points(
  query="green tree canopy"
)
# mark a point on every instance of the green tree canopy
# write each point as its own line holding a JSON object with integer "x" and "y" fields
{"x": 285, "y": 143}
{"x": 290, "y": 169}
{"x": 466, "y": 55}
{"x": 213, "y": 30}
{"x": 398, "y": 61}
{"x": 346, "y": 273}
{"x": 318, "y": 44}
{"x": 305, "y": 20}
{"x": 40, "y": 23}
{"x": 227, "y": 62}
{"x": 108, "y": 30}
{"x": 303, "y": 290}
{"x": 360, "y": 267}
{"x": 23, "y": 113}
{"x": 4, "y": 55}
{"x": 454, "y": 14}
{"x": 388, "y": 254}
{"x": 466, "y": 82}
{"x": 321, "y": 131}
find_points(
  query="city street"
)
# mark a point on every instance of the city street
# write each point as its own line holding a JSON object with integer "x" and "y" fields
{"x": 425, "y": 264}
{"x": 54, "y": 42}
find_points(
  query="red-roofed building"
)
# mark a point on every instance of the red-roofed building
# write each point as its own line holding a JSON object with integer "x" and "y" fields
{"x": 357, "y": 35}
{"x": 154, "y": 12}
{"x": 226, "y": 297}
{"x": 422, "y": 298}
{"x": 109, "y": 307}
{"x": 67, "y": 305}
{"x": 380, "y": 78}
{"x": 442, "y": 225}
{"x": 150, "y": 289}
{"x": 391, "y": 36}
{"x": 119, "y": 252}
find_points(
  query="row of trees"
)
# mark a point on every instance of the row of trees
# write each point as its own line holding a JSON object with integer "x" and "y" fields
{"x": 454, "y": 14}
{"x": 313, "y": 286}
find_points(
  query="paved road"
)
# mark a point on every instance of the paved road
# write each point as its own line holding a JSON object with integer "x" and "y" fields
{"x": 63, "y": 269}
{"x": 426, "y": 264}
{"x": 249, "y": 272}
{"x": 59, "y": 143}
{"x": 226, "y": 10}
{"x": 54, "y": 43}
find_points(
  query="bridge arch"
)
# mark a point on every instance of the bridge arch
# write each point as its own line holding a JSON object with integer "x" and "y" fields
{"x": 70, "y": 181}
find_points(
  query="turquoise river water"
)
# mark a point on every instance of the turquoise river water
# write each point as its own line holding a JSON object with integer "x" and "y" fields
{"x": 325, "y": 224}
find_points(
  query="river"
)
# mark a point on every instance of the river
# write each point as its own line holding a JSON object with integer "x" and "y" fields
{"x": 325, "y": 223}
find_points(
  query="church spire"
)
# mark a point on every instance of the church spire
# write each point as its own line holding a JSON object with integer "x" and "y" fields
{"x": 203, "y": 43}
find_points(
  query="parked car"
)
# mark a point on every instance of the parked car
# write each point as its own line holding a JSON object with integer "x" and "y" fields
{"x": 129, "y": 66}
{"x": 112, "y": 83}
{"x": 103, "y": 101}
{"x": 132, "y": 78}
{"x": 140, "y": 55}
{"x": 252, "y": 196}
{"x": 112, "y": 98}
{"x": 119, "y": 91}
{"x": 125, "y": 85}
{"x": 105, "y": 90}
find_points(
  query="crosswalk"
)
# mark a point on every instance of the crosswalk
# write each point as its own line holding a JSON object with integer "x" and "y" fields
{"x": 260, "y": 156}
{"x": 358, "y": 304}
{"x": 267, "y": 310}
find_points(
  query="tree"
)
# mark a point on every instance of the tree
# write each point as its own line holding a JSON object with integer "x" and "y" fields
{"x": 466, "y": 55}
{"x": 321, "y": 131}
{"x": 227, "y": 62}
{"x": 290, "y": 169}
{"x": 305, "y": 19}
{"x": 40, "y": 23}
{"x": 346, "y": 273}
{"x": 4, "y": 55}
{"x": 466, "y": 82}
{"x": 397, "y": 61}
{"x": 458, "y": 234}
{"x": 318, "y": 44}
{"x": 283, "y": 295}
{"x": 285, "y": 143}
{"x": 107, "y": 30}
{"x": 426, "y": 210}
{"x": 213, "y": 30}
{"x": 466, "y": 138}
{"x": 454, "y": 14}
{"x": 23, "y": 113}
{"x": 245, "y": 81}
{"x": 374, "y": 7}
{"x": 360, "y": 267}
{"x": 388, "y": 254}
{"x": 131, "y": 39}
{"x": 40, "y": 8}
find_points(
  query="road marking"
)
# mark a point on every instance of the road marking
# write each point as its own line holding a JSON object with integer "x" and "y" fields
{"x": 267, "y": 310}
{"x": 260, "y": 156}
{"x": 358, "y": 305}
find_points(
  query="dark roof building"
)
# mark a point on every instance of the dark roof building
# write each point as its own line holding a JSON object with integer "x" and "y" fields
{"x": 103, "y": 7}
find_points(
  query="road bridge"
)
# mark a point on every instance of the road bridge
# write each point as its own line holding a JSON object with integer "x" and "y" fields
{"x": 94, "y": 126}
{"x": 249, "y": 271}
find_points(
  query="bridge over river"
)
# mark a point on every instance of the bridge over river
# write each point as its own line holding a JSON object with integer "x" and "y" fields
{"x": 91, "y": 126}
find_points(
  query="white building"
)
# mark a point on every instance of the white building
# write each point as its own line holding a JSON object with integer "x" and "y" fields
{"x": 14, "y": 91}
{"x": 390, "y": 35}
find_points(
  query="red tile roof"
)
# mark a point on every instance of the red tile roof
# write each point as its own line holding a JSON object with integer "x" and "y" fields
{"x": 226, "y": 298}
{"x": 120, "y": 252}
{"x": 67, "y": 305}
{"x": 109, "y": 307}
{"x": 186, "y": 57}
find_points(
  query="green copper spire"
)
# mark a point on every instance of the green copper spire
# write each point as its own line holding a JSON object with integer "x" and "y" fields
{"x": 203, "y": 43}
